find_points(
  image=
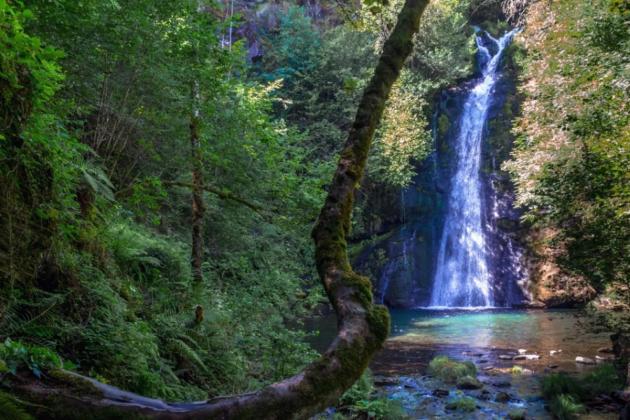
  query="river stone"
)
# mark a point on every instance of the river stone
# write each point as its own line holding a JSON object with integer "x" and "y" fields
{"x": 503, "y": 384}
{"x": 385, "y": 381}
{"x": 554, "y": 352}
{"x": 517, "y": 414}
{"x": 484, "y": 395}
{"x": 468, "y": 382}
{"x": 505, "y": 357}
{"x": 502, "y": 397}
{"x": 584, "y": 360}
{"x": 522, "y": 351}
{"x": 526, "y": 357}
{"x": 440, "y": 393}
{"x": 604, "y": 358}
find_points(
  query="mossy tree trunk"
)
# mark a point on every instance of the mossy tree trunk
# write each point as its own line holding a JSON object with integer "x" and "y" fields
{"x": 197, "y": 208}
{"x": 362, "y": 326}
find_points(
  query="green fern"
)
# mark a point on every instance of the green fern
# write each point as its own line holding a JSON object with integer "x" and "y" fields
{"x": 186, "y": 352}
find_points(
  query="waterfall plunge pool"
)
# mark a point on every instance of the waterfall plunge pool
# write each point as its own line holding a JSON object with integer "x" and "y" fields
{"x": 418, "y": 335}
{"x": 489, "y": 338}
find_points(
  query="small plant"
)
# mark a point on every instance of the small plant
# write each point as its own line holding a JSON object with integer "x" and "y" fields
{"x": 14, "y": 355}
{"x": 361, "y": 390}
{"x": 380, "y": 408}
{"x": 450, "y": 370}
{"x": 565, "y": 407}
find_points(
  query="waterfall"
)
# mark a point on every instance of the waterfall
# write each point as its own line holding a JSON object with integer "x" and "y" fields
{"x": 462, "y": 277}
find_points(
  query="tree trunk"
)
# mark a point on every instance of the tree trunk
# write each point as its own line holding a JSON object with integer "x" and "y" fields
{"x": 196, "y": 258}
{"x": 362, "y": 326}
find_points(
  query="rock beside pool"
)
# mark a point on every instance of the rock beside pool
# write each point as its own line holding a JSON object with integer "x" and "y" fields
{"x": 484, "y": 395}
{"x": 469, "y": 382}
{"x": 502, "y": 397}
{"x": 440, "y": 393}
{"x": 526, "y": 357}
{"x": 502, "y": 384}
{"x": 517, "y": 414}
{"x": 385, "y": 381}
{"x": 584, "y": 360}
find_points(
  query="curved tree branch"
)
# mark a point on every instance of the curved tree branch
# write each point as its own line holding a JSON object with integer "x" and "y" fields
{"x": 362, "y": 326}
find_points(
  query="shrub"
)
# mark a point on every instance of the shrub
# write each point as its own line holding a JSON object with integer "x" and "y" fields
{"x": 14, "y": 356}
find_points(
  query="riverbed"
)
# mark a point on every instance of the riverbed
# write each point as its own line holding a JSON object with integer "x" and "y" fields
{"x": 491, "y": 339}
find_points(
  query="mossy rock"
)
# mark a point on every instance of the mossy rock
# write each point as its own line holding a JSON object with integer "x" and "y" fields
{"x": 469, "y": 382}
{"x": 451, "y": 371}
{"x": 462, "y": 404}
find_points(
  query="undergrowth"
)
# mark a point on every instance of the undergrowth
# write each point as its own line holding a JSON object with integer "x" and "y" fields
{"x": 567, "y": 394}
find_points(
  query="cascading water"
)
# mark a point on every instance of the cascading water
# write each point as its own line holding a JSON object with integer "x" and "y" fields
{"x": 462, "y": 277}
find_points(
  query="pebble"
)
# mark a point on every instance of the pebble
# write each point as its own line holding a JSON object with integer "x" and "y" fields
{"x": 584, "y": 360}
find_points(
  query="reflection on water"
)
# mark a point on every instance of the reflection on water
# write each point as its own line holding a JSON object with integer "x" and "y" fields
{"x": 451, "y": 332}
{"x": 534, "y": 330}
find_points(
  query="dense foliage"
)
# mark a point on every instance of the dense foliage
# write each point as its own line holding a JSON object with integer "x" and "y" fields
{"x": 572, "y": 164}
{"x": 96, "y": 174}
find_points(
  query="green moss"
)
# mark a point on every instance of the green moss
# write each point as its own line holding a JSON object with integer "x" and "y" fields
{"x": 79, "y": 385}
{"x": 518, "y": 414}
{"x": 379, "y": 320}
{"x": 443, "y": 124}
{"x": 450, "y": 370}
{"x": 462, "y": 404}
